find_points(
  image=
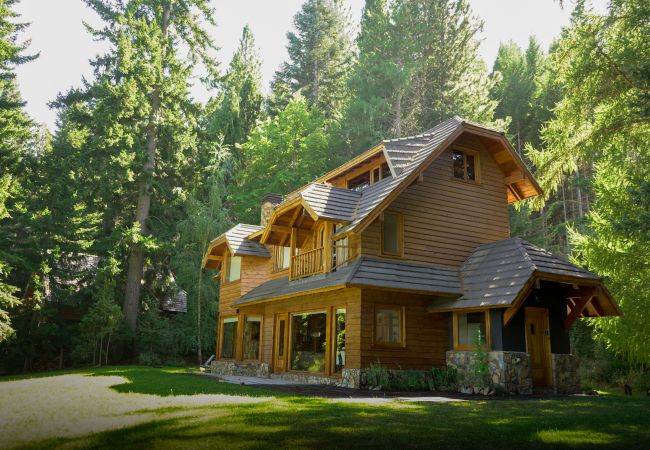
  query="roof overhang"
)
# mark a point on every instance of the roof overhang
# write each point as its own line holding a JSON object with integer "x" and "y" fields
{"x": 213, "y": 257}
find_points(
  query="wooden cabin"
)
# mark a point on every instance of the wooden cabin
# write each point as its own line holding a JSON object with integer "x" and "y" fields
{"x": 401, "y": 257}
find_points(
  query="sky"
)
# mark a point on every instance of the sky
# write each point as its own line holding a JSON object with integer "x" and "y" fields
{"x": 57, "y": 33}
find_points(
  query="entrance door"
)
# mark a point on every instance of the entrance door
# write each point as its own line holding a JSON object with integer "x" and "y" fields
{"x": 538, "y": 345}
{"x": 280, "y": 344}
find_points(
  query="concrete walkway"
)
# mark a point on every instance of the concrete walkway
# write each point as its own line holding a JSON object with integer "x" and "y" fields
{"x": 255, "y": 381}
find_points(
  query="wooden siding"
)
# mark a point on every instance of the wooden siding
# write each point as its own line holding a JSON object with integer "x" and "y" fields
{"x": 446, "y": 219}
{"x": 427, "y": 335}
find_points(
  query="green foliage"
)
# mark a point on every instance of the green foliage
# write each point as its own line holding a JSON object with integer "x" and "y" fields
{"x": 377, "y": 376}
{"x": 234, "y": 113}
{"x": 283, "y": 153}
{"x": 603, "y": 123}
{"x": 442, "y": 379}
{"x": 417, "y": 66}
{"x": 320, "y": 55}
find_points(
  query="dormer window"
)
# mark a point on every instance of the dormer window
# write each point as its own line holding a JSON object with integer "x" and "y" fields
{"x": 374, "y": 175}
{"x": 465, "y": 165}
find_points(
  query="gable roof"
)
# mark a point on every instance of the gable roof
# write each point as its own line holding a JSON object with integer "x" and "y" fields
{"x": 364, "y": 272}
{"x": 237, "y": 242}
{"x": 331, "y": 202}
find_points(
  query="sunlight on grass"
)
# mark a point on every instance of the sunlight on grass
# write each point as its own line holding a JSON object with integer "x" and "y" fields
{"x": 575, "y": 437}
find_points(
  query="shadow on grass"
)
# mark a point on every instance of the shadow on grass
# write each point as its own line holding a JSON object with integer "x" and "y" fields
{"x": 314, "y": 423}
{"x": 165, "y": 382}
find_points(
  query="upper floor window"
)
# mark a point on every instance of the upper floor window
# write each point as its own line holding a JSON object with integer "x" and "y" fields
{"x": 233, "y": 268}
{"x": 374, "y": 175}
{"x": 281, "y": 258}
{"x": 392, "y": 234}
{"x": 465, "y": 165}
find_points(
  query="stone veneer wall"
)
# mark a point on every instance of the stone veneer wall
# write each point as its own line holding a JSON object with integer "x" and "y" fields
{"x": 510, "y": 372}
{"x": 566, "y": 379}
{"x": 350, "y": 378}
{"x": 239, "y": 368}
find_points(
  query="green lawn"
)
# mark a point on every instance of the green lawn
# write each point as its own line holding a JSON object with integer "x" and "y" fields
{"x": 137, "y": 407}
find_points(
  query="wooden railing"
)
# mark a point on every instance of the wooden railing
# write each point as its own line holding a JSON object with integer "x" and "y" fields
{"x": 307, "y": 264}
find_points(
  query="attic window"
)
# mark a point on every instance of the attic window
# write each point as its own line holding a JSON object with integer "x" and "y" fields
{"x": 465, "y": 165}
{"x": 233, "y": 268}
{"x": 360, "y": 181}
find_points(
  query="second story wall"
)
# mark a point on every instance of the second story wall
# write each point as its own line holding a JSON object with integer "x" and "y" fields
{"x": 445, "y": 219}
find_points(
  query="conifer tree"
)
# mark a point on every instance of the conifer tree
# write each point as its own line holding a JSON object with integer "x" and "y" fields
{"x": 320, "y": 56}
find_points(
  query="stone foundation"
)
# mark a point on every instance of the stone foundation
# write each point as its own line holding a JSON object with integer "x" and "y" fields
{"x": 240, "y": 368}
{"x": 566, "y": 379}
{"x": 350, "y": 378}
{"x": 508, "y": 372}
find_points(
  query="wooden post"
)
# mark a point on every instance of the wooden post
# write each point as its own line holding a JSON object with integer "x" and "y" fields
{"x": 327, "y": 247}
{"x": 292, "y": 243}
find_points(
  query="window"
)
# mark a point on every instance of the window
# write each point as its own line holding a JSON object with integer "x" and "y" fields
{"x": 471, "y": 330}
{"x": 360, "y": 181}
{"x": 228, "y": 337}
{"x": 233, "y": 268}
{"x": 374, "y": 175}
{"x": 465, "y": 165}
{"x": 391, "y": 234}
{"x": 339, "y": 339}
{"x": 385, "y": 171}
{"x": 308, "y": 341}
{"x": 389, "y": 326}
{"x": 282, "y": 258}
{"x": 252, "y": 333}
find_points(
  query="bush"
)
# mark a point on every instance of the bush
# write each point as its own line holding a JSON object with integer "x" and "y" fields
{"x": 149, "y": 359}
{"x": 442, "y": 379}
{"x": 409, "y": 380}
{"x": 377, "y": 376}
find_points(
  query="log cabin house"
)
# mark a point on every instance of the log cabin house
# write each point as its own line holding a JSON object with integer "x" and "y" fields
{"x": 402, "y": 257}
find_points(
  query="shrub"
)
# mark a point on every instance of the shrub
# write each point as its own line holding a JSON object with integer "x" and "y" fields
{"x": 149, "y": 359}
{"x": 378, "y": 376}
{"x": 442, "y": 379}
{"x": 409, "y": 380}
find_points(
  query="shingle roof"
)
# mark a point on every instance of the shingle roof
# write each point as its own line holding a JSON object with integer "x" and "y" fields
{"x": 493, "y": 275}
{"x": 241, "y": 246}
{"x": 497, "y": 273}
{"x": 367, "y": 272}
{"x": 331, "y": 202}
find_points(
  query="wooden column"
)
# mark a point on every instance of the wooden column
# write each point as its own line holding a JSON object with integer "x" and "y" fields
{"x": 328, "y": 244}
{"x": 292, "y": 244}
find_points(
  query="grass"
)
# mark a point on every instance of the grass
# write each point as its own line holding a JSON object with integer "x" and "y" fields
{"x": 137, "y": 407}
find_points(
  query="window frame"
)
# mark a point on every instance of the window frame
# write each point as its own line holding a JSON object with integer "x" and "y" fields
{"x": 278, "y": 258}
{"x": 333, "y": 337}
{"x": 488, "y": 338}
{"x": 222, "y": 321}
{"x": 259, "y": 344}
{"x": 290, "y": 340}
{"x": 477, "y": 164}
{"x": 400, "y": 234}
{"x": 226, "y": 268}
{"x": 394, "y": 345}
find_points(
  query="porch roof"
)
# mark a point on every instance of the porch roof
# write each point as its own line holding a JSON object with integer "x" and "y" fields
{"x": 364, "y": 272}
{"x": 501, "y": 274}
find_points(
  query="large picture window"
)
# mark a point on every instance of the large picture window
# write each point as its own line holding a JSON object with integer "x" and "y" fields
{"x": 228, "y": 337}
{"x": 392, "y": 234}
{"x": 389, "y": 326}
{"x": 339, "y": 339}
{"x": 252, "y": 334}
{"x": 471, "y": 330}
{"x": 308, "y": 341}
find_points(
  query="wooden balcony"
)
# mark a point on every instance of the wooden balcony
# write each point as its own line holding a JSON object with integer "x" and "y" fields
{"x": 307, "y": 264}
{"x": 313, "y": 262}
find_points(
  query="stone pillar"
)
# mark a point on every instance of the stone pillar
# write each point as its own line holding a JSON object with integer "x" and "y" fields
{"x": 508, "y": 372}
{"x": 566, "y": 379}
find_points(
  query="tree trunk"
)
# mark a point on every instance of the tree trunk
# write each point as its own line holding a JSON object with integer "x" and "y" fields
{"x": 135, "y": 270}
{"x": 198, "y": 316}
{"x": 108, "y": 346}
{"x": 397, "y": 123}
{"x": 101, "y": 347}
{"x": 579, "y": 193}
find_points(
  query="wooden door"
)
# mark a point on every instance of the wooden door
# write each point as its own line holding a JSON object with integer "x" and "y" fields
{"x": 538, "y": 345}
{"x": 280, "y": 344}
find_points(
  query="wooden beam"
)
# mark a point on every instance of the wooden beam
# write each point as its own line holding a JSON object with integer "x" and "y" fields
{"x": 581, "y": 304}
{"x": 514, "y": 177}
{"x": 292, "y": 241}
{"x": 214, "y": 258}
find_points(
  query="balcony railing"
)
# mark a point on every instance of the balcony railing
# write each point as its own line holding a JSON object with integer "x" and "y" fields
{"x": 312, "y": 262}
{"x": 307, "y": 264}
